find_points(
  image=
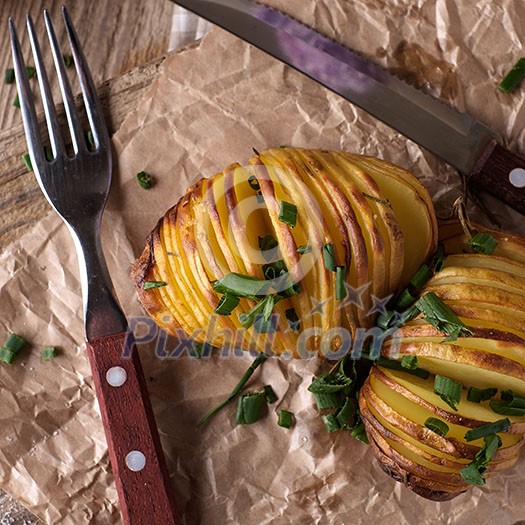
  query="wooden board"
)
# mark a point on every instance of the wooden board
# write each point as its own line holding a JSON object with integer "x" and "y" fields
{"x": 117, "y": 36}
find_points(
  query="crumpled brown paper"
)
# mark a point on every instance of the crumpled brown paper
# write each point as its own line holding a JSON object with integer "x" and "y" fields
{"x": 208, "y": 107}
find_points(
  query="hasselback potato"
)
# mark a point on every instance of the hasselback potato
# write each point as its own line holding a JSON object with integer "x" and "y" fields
{"x": 328, "y": 233}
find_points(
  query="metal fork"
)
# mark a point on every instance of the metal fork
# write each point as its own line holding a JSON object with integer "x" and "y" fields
{"x": 77, "y": 187}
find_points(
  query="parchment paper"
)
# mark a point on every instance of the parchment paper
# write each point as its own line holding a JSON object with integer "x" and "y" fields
{"x": 208, "y": 107}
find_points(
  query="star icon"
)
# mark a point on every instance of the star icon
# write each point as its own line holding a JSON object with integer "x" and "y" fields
{"x": 353, "y": 296}
{"x": 318, "y": 306}
{"x": 379, "y": 305}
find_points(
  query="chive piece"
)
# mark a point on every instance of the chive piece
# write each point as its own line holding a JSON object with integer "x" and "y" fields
{"x": 405, "y": 300}
{"x": 148, "y": 285}
{"x": 90, "y": 139}
{"x": 15, "y": 343}
{"x": 330, "y": 383}
{"x": 265, "y": 326}
{"x": 477, "y": 395}
{"x": 448, "y": 390}
{"x": 30, "y": 71}
{"x": 68, "y": 60}
{"x": 264, "y": 307}
{"x": 483, "y": 243}
{"x": 274, "y": 270}
{"x": 240, "y": 285}
{"x": 384, "y": 319}
{"x": 304, "y": 248}
{"x": 437, "y": 426}
{"x": 485, "y": 430}
{"x": 359, "y": 433}
{"x": 48, "y": 152}
{"x": 6, "y": 356}
{"x": 438, "y": 258}
{"x": 48, "y": 353}
{"x": 421, "y": 277}
{"x": 227, "y": 303}
{"x": 292, "y": 318}
{"x": 346, "y": 413}
{"x": 145, "y": 180}
{"x": 16, "y": 102}
{"x": 288, "y": 214}
{"x": 270, "y": 394}
{"x": 9, "y": 76}
{"x": 329, "y": 400}
{"x": 261, "y": 358}
{"x": 268, "y": 245}
{"x": 27, "y": 161}
{"x": 440, "y": 316}
{"x": 513, "y": 399}
{"x": 396, "y": 365}
{"x": 329, "y": 257}
{"x": 249, "y": 408}
{"x": 409, "y": 362}
{"x": 471, "y": 474}
{"x": 286, "y": 419}
{"x": 513, "y": 77}
{"x": 330, "y": 422}
{"x": 340, "y": 281}
{"x": 504, "y": 409}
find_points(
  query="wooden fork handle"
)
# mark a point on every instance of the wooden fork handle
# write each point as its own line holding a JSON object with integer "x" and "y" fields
{"x": 143, "y": 485}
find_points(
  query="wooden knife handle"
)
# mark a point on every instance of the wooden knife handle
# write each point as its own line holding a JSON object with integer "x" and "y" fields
{"x": 144, "y": 489}
{"x": 502, "y": 174}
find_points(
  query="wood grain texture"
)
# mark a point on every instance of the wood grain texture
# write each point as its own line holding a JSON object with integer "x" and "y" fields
{"x": 117, "y": 36}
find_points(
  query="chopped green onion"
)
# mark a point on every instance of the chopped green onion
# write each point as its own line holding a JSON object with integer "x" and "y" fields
{"x": 440, "y": 316}
{"x": 268, "y": 245}
{"x": 265, "y": 326}
{"x": 68, "y": 60}
{"x": 477, "y": 395}
{"x": 513, "y": 77}
{"x": 437, "y": 426}
{"x": 330, "y": 383}
{"x": 244, "y": 379}
{"x": 286, "y": 419}
{"x": 288, "y": 214}
{"x": 27, "y": 161}
{"x": 483, "y": 243}
{"x": 510, "y": 404}
{"x": 148, "y": 285}
{"x": 340, "y": 282}
{"x": 448, "y": 390}
{"x": 16, "y": 102}
{"x": 346, "y": 413}
{"x": 6, "y": 356}
{"x": 249, "y": 408}
{"x": 227, "y": 303}
{"x": 271, "y": 396}
{"x": 48, "y": 353}
{"x": 9, "y": 76}
{"x": 293, "y": 319}
{"x": 438, "y": 258}
{"x": 264, "y": 307}
{"x": 328, "y": 400}
{"x": 420, "y": 278}
{"x": 405, "y": 300}
{"x": 473, "y": 473}
{"x": 30, "y": 71}
{"x": 145, "y": 180}
{"x": 359, "y": 433}
{"x": 90, "y": 139}
{"x": 409, "y": 362}
{"x": 513, "y": 399}
{"x": 15, "y": 343}
{"x": 396, "y": 365}
{"x": 385, "y": 319}
{"x": 485, "y": 430}
{"x": 304, "y": 248}
{"x": 274, "y": 270}
{"x": 330, "y": 422}
{"x": 48, "y": 152}
{"x": 329, "y": 257}
{"x": 240, "y": 285}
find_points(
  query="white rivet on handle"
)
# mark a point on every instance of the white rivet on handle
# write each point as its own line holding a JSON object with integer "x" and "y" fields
{"x": 116, "y": 376}
{"x": 135, "y": 460}
{"x": 517, "y": 177}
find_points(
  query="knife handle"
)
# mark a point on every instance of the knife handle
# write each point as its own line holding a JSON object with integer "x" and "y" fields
{"x": 501, "y": 173}
{"x": 143, "y": 485}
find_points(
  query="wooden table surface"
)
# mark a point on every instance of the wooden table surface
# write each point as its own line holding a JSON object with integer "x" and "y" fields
{"x": 117, "y": 36}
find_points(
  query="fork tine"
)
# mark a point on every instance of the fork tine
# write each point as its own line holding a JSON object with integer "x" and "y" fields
{"x": 55, "y": 134}
{"x": 89, "y": 92}
{"x": 27, "y": 103}
{"x": 75, "y": 127}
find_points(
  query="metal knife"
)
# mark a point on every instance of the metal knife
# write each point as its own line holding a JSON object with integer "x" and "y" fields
{"x": 468, "y": 145}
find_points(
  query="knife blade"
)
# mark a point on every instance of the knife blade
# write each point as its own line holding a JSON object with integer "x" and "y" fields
{"x": 459, "y": 139}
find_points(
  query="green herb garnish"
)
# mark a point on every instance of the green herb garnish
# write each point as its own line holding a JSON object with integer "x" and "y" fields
{"x": 249, "y": 408}
{"x": 145, "y": 180}
{"x": 330, "y": 422}
{"x": 148, "y": 285}
{"x": 268, "y": 245}
{"x": 270, "y": 395}
{"x": 409, "y": 362}
{"x": 489, "y": 428}
{"x": 288, "y": 214}
{"x": 340, "y": 282}
{"x": 477, "y": 395}
{"x": 510, "y": 404}
{"x": 9, "y": 76}
{"x": 473, "y": 473}
{"x": 264, "y": 307}
{"x": 396, "y": 365}
{"x": 48, "y": 353}
{"x": 11, "y": 348}
{"x": 329, "y": 257}
{"x": 513, "y": 78}
{"x": 240, "y": 285}
{"x": 359, "y": 433}
{"x": 27, "y": 161}
{"x": 16, "y": 102}
{"x": 346, "y": 413}
{"x": 261, "y": 358}
{"x": 30, "y": 71}
{"x": 304, "y": 248}
{"x": 448, "y": 390}
{"x": 483, "y": 243}
{"x": 437, "y": 426}
{"x": 286, "y": 419}
{"x": 292, "y": 318}
{"x": 227, "y": 303}
{"x": 68, "y": 60}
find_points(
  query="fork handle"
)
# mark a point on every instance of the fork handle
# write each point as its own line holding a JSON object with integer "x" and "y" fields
{"x": 138, "y": 463}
